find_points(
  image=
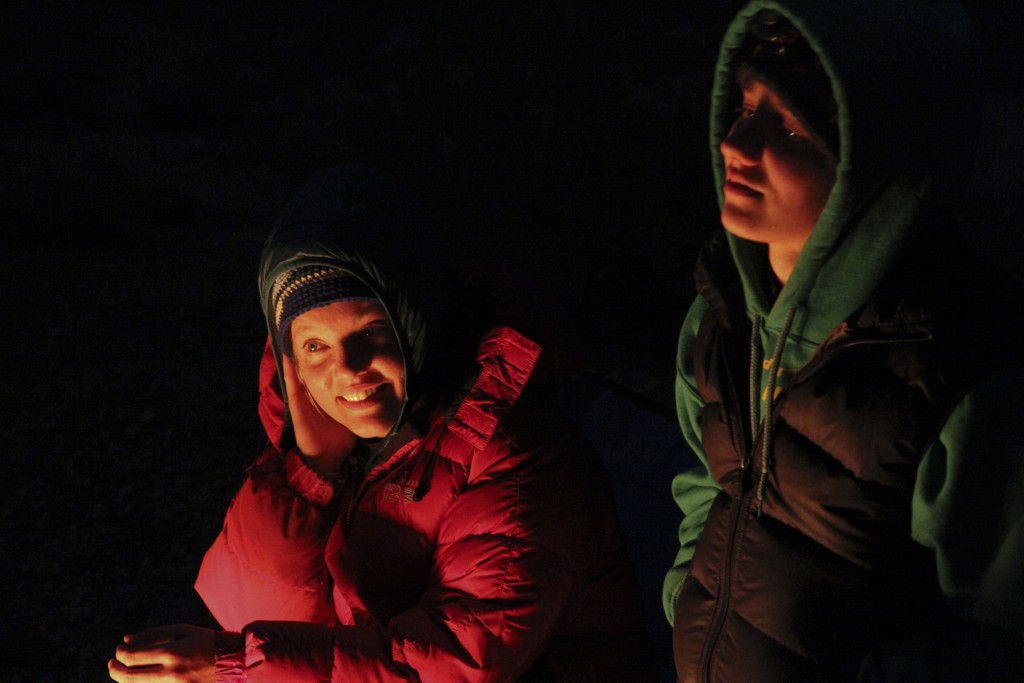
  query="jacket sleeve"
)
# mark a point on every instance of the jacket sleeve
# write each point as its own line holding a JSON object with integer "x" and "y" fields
{"x": 695, "y": 489}
{"x": 509, "y": 549}
{"x": 969, "y": 505}
{"x": 271, "y": 544}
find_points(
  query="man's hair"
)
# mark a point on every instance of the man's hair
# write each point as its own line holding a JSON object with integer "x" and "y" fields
{"x": 775, "y": 53}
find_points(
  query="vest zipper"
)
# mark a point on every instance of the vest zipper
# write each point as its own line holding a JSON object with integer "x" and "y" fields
{"x": 721, "y": 611}
{"x": 725, "y": 584}
{"x": 731, "y": 550}
{"x": 826, "y": 354}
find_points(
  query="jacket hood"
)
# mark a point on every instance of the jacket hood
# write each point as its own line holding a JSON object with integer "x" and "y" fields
{"x": 902, "y": 74}
{"x": 356, "y": 219}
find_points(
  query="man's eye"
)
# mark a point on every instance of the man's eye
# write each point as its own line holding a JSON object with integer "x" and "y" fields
{"x": 796, "y": 135}
{"x": 743, "y": 113}
{"x": 311, "y": 346}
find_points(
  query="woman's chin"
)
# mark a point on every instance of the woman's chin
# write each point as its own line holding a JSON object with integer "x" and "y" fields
{"x": 368, "y": 427}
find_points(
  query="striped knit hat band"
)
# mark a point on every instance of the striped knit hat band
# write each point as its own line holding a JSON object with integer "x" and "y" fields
{"x": 302, "y": 289}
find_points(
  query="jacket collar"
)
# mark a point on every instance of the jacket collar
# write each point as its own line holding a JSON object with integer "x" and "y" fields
{"x": 507, "y": 360}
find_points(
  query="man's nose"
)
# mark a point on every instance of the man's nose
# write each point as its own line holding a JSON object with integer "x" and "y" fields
{"x": 744, "y": 142}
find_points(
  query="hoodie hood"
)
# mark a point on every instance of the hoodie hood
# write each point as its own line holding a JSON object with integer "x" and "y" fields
{"x": 902, "y": 74}
{"x": 356, "y": 219}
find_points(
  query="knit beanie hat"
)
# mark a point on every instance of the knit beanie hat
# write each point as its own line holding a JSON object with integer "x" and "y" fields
{"x": 775, "y": 53}
{"x": 302, "y": 289}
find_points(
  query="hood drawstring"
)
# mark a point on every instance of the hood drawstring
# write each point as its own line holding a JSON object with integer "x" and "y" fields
{"x": 767, "y": 421}
{"x": 755, "y": 362}
{"x": 423, "y": 486}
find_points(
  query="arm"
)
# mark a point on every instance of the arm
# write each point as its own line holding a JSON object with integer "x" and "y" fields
{"x": 267, "y": 562}
{"x": 271, "y": 543}
{"x": 695, "y": 489}
{"x": 491, "y": 606}
{"x": 969, "y": 505}
{"x": 509, "y": 550}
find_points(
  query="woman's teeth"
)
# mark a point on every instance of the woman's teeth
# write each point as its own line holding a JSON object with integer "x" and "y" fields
{"x": 362, "y": 395}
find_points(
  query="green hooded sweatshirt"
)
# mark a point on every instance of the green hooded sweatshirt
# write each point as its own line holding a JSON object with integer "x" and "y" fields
{"x": 902, "y": 75}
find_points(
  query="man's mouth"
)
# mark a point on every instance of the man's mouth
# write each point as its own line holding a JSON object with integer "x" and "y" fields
{"x": 736, "y": 187}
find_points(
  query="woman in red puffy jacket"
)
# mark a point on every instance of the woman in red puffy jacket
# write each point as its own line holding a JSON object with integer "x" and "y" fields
{"x": 421, "y": 512}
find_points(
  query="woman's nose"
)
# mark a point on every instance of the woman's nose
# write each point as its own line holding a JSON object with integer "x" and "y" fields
{"x": 353, "y": 357}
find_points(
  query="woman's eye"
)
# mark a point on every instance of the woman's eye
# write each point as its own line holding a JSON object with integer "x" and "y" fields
{"x": 311, "y": 346}
{"x": 378, "y": 335}
{"x": 373, "y": 333}
{"x": 375, "y": 329}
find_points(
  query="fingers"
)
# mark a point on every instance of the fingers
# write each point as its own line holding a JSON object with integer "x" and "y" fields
{"x": 147, "y": 654}
{"x": 122, "y": 673}
{"x": 291, "y": 378}
{"x": 157, "y": 634}
{"x": 324, "y": 441}
{"x": 298, "y": 403}
{"x": 165, "y": 653}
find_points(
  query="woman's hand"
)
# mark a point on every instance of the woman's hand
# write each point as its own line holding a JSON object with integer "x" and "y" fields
{"x": 322, "y": 440}
{"x": 166, "y": 654}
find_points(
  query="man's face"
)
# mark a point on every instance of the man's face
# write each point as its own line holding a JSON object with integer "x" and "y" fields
{"x": 777, "y": 179}
{"x": 349, "y": 358}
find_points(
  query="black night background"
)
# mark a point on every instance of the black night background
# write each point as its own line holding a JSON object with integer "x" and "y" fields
{"x": 145, "y": 150}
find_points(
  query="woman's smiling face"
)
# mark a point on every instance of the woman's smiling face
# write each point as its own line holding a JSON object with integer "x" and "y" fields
{"x": 778, "y": 179}
{"x": 348, "y": 357}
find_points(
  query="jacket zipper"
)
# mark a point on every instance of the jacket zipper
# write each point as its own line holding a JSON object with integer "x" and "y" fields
{"x": 353, "y": 504}
{"x": 368, "y": 476}
{"x": 375, "y": 473}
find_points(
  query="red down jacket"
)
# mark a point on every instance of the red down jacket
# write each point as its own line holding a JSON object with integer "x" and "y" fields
{"x": 509, "y": 565}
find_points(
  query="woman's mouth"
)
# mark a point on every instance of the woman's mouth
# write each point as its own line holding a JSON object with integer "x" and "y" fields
{"x": 360, "y": 395}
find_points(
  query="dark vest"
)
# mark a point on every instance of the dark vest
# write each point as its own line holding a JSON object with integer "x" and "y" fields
{"x": 828, "y": 571}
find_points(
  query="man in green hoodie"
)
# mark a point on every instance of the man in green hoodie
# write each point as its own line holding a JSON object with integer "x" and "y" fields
{"x": 844, "y": 374}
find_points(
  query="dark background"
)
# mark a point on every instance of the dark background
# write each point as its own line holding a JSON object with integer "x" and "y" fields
{"x": 145, "y": 151}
